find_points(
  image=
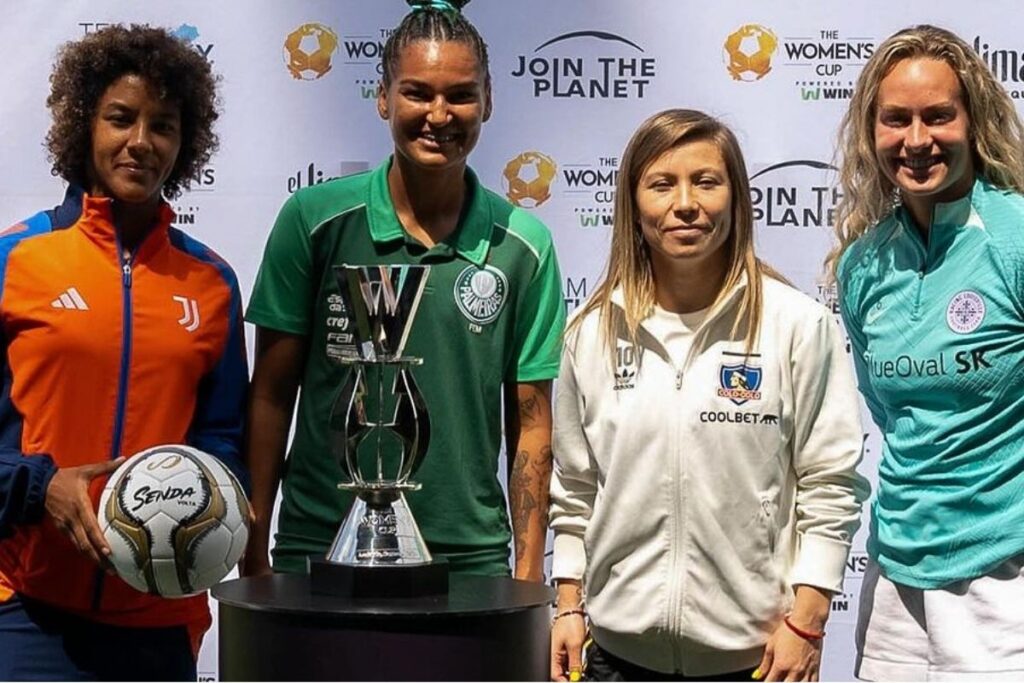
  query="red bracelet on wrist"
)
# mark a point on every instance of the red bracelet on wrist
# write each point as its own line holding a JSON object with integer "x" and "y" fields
{"x": 569, "y": 612}
{"x": 806, "y": 635}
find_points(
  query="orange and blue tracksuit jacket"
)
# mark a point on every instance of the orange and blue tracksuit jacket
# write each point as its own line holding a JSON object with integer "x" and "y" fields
{"x": 106, "y": 354}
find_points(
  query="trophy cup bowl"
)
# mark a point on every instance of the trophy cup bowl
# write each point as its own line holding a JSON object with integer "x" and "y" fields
{"x": 379, "y": 551}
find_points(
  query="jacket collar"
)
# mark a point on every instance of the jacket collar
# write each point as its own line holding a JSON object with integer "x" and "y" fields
{"x": 650, "y": 340}
{"x": 961, "y": 212}
{"x": 726, "y": 303}
{"x": 94, "y": 217}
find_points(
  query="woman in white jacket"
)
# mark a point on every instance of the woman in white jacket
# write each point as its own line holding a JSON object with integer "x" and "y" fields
{"x": 706, "y": 437}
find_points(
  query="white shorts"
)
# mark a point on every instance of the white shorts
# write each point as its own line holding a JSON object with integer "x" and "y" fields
{"x": 968, "y": 630}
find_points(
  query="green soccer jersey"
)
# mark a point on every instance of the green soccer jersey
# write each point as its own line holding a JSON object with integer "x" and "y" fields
{"x": 937, "y": 331}
{"x": 492, "y": 313}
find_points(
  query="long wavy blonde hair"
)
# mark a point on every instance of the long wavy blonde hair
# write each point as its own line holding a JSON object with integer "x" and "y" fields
{"x": 996, "y": 133}
{"x": 629, "y": 264}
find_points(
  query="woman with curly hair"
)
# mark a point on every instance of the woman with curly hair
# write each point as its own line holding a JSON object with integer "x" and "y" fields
{"x": 98, "y": 363}
{"x": 930, "y": 269}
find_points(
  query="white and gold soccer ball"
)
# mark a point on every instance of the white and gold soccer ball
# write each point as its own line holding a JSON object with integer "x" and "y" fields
{"x": 176, "y": 520}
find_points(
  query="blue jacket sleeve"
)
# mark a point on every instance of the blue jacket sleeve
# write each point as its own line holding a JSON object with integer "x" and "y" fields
{"x": 23, "y": 479}
{"x": 218, "y": 424}
{"x": 23, "y": 482}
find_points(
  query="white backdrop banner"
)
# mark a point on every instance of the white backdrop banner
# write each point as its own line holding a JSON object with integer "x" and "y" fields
{"x": 572, "y": 80}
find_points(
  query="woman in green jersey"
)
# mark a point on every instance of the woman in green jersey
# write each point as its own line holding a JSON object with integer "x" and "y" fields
{"x": 489, "y": 322}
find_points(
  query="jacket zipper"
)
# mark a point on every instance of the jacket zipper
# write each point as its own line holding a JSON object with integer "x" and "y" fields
{"x": 678, "y": 568}
{"x": 122, "y": 384}
{"x": 924, "y": 251}
{"x": 676, "y": 616}
{"x": 677, "y": 593}
{"x": 677, "y": 602}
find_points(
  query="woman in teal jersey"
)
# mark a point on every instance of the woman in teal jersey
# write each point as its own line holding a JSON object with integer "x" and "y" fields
{"x": 930, "y": 268}
{"x": 423, "y": 205}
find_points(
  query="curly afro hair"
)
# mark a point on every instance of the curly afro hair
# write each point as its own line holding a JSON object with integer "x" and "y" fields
{"x": 86, "y": 68}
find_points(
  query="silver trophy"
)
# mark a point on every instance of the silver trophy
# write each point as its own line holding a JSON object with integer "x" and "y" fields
{"x": 379, "y": 531}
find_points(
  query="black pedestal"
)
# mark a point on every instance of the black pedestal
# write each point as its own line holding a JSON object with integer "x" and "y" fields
{"x": 486, "y": 628}
{"x": 417, "y": 581}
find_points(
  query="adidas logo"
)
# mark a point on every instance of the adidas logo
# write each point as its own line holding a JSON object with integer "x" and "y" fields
{"x": 71, "y": 300}
{"x": 624, "y": 378}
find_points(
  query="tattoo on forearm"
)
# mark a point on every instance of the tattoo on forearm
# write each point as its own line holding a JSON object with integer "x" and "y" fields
{"x": 542, "y": 463}
{"x": 529, "y": 411}
{"x": 522, "y": 502}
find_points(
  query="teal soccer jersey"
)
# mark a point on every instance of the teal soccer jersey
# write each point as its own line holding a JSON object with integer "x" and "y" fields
{"x": 492, "y": 313}
{"x": 937, "y": 331}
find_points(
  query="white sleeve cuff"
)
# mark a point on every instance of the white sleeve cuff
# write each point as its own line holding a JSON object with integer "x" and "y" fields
{"x": 821, "y": 562}
{"x": 570, "y": 560}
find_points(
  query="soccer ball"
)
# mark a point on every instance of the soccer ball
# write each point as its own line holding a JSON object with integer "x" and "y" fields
{"x": 528, "y": 179}
{"x": 748, "y": 52}
{"x": 176, "y": 520}
{"x": 308, "y": 51}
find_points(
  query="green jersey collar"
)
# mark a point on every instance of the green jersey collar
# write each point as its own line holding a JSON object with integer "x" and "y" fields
{"x": 471, "y": 238}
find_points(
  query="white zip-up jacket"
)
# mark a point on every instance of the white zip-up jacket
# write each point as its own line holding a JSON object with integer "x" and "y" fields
{"x": 691, "y": 499}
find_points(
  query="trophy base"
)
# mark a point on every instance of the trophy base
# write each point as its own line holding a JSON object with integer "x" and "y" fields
{"x": 394, "y": 581}
{"x": 379, "y": 530}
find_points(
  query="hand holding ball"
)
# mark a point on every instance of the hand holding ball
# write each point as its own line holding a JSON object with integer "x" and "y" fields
{"x": 176, "y": 520}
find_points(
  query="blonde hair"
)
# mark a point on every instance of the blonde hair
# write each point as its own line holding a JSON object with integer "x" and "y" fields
{"x": 996, "y": 133}
{"x": 629, "y": 264}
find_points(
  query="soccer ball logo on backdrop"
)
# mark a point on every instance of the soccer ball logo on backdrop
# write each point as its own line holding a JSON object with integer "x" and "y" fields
{"x": 186, "y": 32}
{"x": 308, "y": 51}
{"x": 748, "y": 52}
{"x": 176, "y": 520}
{"x": 528, "y": 178}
